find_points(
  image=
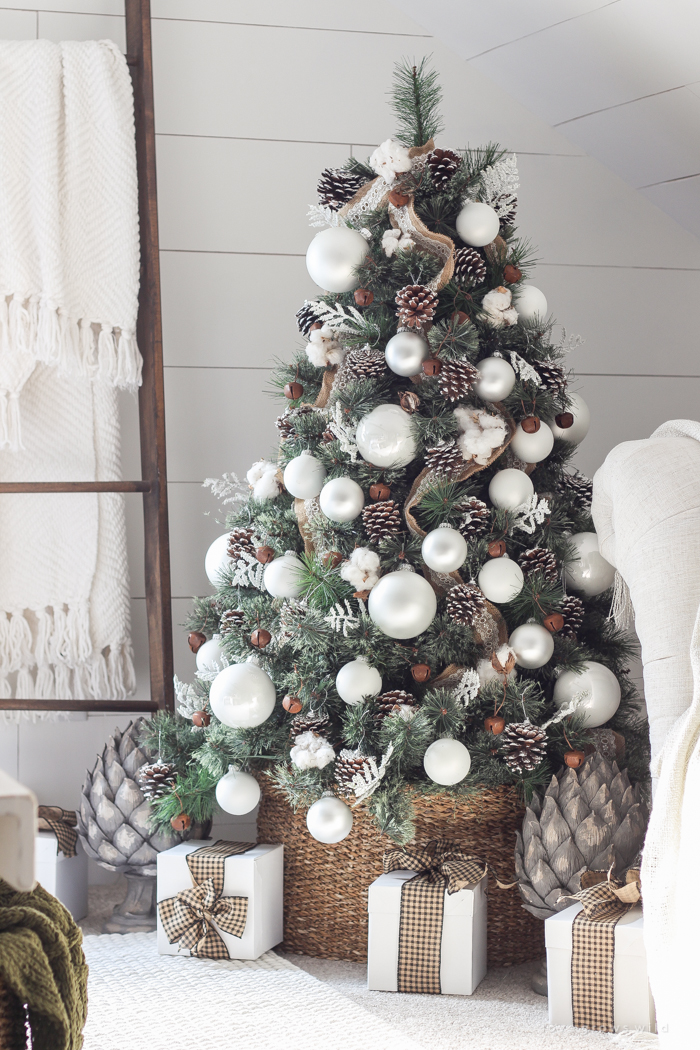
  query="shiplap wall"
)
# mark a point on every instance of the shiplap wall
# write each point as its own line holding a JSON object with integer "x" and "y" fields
{"x": 253, "y": 99}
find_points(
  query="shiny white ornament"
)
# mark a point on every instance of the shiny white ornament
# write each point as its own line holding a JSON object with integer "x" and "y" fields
{"x": 242, "y": 696}
{"x": 341, "y": 499}
{"x": 447, "y": 761}
{"x": 497, "y": 379}
{"x": 591, "y": 574}
{"x": 533, "y": 448}
{"x": 237, "y": 792}
{"x": 356, "y": 680}
{"x": 329, "y": 820}
{"x": 216, "y": 560}
{"x": 501, "y": 579}
{"x": 210, "y": 656}
{"x": 532, "y": 644}
{"x": 304, "y": 476}
{"x": 385, "y": 437}
{"x": 510, "y": 488}
{"x": 333, "y": 256}
{"x": 282, "y": 576}
{"x": 402, "y": 604}
{"x": 477, "y": 224}
{"x": 582, "y": 421}
{"x": 444, "y": 550}
{"x": 530, "y": 303}
{"x": 405, "y": 353}
{"x": 603, "y": 691}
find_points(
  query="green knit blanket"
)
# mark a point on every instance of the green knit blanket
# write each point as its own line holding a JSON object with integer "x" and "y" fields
{"x": 42, "y": 963}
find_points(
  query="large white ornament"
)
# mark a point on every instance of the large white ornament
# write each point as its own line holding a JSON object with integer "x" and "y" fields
{"x": 532, "y": 448}
{"x": 341, "y": 499}
{"x": 304, "y": 476}
{"x": 356, "y": 680}
{"x": 530, "y": 303}
{"x": 532, "y": 644}
{"x": 501, "y": 579}
{"x": 385, "y": 437}
{"x": 602, "y": 689}
{"x": 477, "y": 224}
{"x": 403, "y": 604}
{"x": 329, "y": 820}
{"x": 510, "y": 488}
{"x": 237, "y": 792}
{"x": 210, "y": 656}
{"x": 405, "y": 353}
{"x": 447, "y": 761}
{"x": 582, "y": 421}
{"x": 282, "y": 577}
{"x": 333, "y": 256}
{"x": 591, "y": 574}
{"x": 216, "y": 560}
{"x": 497, "y": 379}
{"x": 242, "y": 696}
{"x": 444, "y": 550}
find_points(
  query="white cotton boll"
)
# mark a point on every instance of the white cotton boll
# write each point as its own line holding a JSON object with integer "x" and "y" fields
{"x": 481, "y": 433}
{"x": 486, "y": 671}
{"x": 361, "y": 571}
{"x": 323, "y": 349}
{"x": 267, "y": 486}
{"x": 393, "y": 240}
{"x": 311, "y": 751}
{"x": 389, "y": 159}
{"x": 260, "y": 467}
{"x": 498, "y": 307}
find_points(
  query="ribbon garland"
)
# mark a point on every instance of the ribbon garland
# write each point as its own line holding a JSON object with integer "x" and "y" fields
{"x": 62, "y": 822}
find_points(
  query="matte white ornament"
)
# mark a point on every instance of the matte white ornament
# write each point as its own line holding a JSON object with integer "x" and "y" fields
{"x": 497, "y": 379}
{"x": 591, "y": 574}
{"x": 329, "y": 820}
{"x": 242, "y": 696}
{"x": 385, "y": 437}
{"x": 405, "y": 353}
{"x": 444, "y": 550}
{"x": 598, "y": 689}
{"x": 530, "y": 303}
{"x": 533, "y": 448}
{"x": 477, "y": 224}
{"x": 532, "y": 644}
{"x": 282, "y": 576}
{"x": 341, "y": 499}
{"x": 216, "y": 560}
{"x": 402, "y": 605}
{"x": 210, "y": 656}
{"x": 237, "y": 792}
{"x": 501, "y": 579}
{"x": 332, "y": 257}
{"x": 304, "y": 476}
{"x": 582, "y": 421}
{"x": 356, "y": 680}
{"x": 447, "y": 761}
{"x": 510, "y": 488}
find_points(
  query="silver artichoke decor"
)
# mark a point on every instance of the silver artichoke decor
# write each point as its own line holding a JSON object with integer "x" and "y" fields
{"x": 589, "y": 819}
{"x": 114, "y": 820}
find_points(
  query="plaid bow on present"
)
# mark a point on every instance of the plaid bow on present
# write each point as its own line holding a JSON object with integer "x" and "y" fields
{"x": 62, "y": 823}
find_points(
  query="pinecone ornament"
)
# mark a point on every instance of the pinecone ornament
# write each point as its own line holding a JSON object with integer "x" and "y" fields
{"x": 394, "y": 701}
{"x": 456, "y": 380}
{"x": 347, "y": 765}
{"x": 553, "y": 377}
{"x": 231, "y": 620}
{"x": 364, "y": 363}
{"x": 156, "y": 779}
{"x": 470, "y": 268}
{"x": 572, "y": 610}
{"x": 465, "y": 603}
{"x": 578, "y": 487}
{"x": 542, "y": 560}
{"x": 416, "y": 305}
{"x": 336, "y": 187}
{"x": 306, "y": 316}
{"x": 476, "y": 518}
{"x": 442, "y": 164}
{"x": 524, "y": 746}
{"x": 444, "y": 459}
{"x": 240, "y": 542}
{"x": 284, "y": 425}
{"x": 381, "y": 520}
{"x": 310, "y": 723}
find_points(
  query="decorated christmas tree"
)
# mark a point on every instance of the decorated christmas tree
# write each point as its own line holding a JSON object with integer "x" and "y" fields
{"x": 409, "y": 595}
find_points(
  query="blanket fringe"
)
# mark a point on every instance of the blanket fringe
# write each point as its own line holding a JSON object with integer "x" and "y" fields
{"x": 621, "y": 609}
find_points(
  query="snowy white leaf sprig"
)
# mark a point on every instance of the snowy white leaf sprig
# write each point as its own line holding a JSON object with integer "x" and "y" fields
{"x": 500, "y": 183}
{"x": 247, "y": 572}
{"x": 366, "y": 782}
{"x": 530, "y": 514}
{"x": 568, "y": 709}
{"x": 468, "y": 687}
{"x": 189, "y": 699}
{"x": 567, "y": 343}
{"x": 228, "y": 488}
{"x": 342, "y": 618}
{"x": 340, "y": 318}
{"x": 526, "y": 372}
{"x": 343, "y": 431}
{"x": 321, "y": 215}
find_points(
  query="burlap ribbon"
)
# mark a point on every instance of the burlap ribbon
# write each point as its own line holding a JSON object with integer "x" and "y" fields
{"x": 62, "y": 823}
{"x": 193, "y": 915}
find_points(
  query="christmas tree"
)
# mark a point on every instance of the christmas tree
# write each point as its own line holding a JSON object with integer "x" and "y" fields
{"x": 409, "y": 597}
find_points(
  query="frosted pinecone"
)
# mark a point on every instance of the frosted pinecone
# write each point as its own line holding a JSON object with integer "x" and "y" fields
{"x": 578, "y": 487}
{"x": 336, "y": 187}
{"x": 507, "y": 215}
{"x": 476, "y": 518}
{"x": 240, "y": 542}
{"x": 347, "y": 765}
{"x": 306, "y": 316}
{"x": 523, "y": 746}
{"x": 470, "y": 268}
{"x": 542, "y": 560}
{"x": 572, "y": 609}
{"x": 465, "y": 603}
{"x": 394, "y": 701}
{"x": 156, "y": 779}
{"x": 442, "y": 164}
{"x": 416, "y": 305}
{"x": 456, "y": 380}
{"x": 381, "y": 520}
{"x": 364, "y": 363}
{"x": 553, "y": 376}
{"x": 310, "y": 723}
{"x": 445, "y": 459}
{"x": 231, "y": 620}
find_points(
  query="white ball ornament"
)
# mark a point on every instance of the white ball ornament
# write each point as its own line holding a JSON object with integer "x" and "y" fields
{"x": 591, "y": 574}
{"x": 532, "y": 644}
{"x": 447, "y": 761}
{"x": 385, "y": 437}
{"x": 501, "y": 579}
{"x": 329, "y": 820}
{"x": 341, "y": 499}
{"x": 402, "y": 604}
{"x": 237, "y": 792}
{"x": 356, "y": 680}
{"x": 444, "y": 550}
{"x": 477, "y": 224}
{"x": 510, "y": 488}
{"x": 210, "y": 656}
{"x": 497, "y": 379}
{"x": 530, "y": 303}
{"x": 532, "y": 448}
{"x": 282, "y": 577}
{"x": 582, "y": 421}
{"x": 304, "y": 476}
{"x": 602, "y": 689}
{"x": 405, "y": 353}
{"x": 242, "y": 696}
{"x": 216, "y": 560}
{"x": 333, "y": 256}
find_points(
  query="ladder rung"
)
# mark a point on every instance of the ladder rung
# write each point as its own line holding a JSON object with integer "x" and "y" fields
{"x": 76, "y": 486}
{"x": 79, "y": 705}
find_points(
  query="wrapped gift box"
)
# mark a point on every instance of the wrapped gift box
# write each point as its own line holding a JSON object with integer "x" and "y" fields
{"x": 463, "y": 946}
{"x": 257, "y": 875}
{"x": 634, "y": 1006}
{"x": 64, "y": 877}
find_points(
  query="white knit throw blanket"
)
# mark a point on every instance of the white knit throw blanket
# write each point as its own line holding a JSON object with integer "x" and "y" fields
{"x": 69, "y": 278}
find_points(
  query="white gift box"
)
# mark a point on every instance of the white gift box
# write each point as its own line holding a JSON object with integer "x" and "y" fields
{"x": 463, "y": 946}
{"x": 633, "y": 1004}
{"x": 64, "y": 877}
{"x": 257, "y": 875}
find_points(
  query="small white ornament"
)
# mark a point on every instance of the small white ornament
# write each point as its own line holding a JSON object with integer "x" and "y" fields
{"x": 304, "y": 476}
{"x": 390, "y": 159}
{"x": 405, "y": 353}
{"x": 237, "y": 792}
{"x": 357, "y": 680}
{"x": 329, "y": 820}
{"x": 497, "y": 379}
{"x": 591, "y": 574}
{"x": 582, "y": 421}
{"x": 385, "y": 437}
{"x": 532, "y": 448}
{"x": 498, "y": 307}
{"x": 323, "y": 349}
{"x": 477, "y": 224}
{"x": 242, "y": 696}
{"x": 217, "y": 561}
{"x": 361, "y": 569}
{"x": 311, "y": 751}
{"x": 210, "y": 656}
{"x": 447, "y": 761}
{"x": 510, "y": 488}
{"x": 596, "y": 689}
{"x": 282, "y": 576}
{"x": 532, "y": 644}
{"x": 333, "y": 256}
{"x": 341, "y": 499}
{"x": 481, "y": 433}
{"x": 444, "y": 550}
{"x": 402, "y": 605}
{"x": 501, "y": 579}
{"x": 530, "y": 303}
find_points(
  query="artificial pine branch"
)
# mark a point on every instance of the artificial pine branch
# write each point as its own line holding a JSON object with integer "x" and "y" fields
{"x": 415, "y": 98}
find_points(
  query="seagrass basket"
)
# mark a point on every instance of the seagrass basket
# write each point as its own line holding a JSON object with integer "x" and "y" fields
{"x": 325, "y": 887}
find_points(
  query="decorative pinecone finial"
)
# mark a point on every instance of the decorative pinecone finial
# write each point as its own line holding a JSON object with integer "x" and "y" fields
{"x": 231, "y": 620}
{"x": 443, "y": 163}
{"x": 240, "y": 541}
{"x": 156, "y": 779}
{"x": 381, "y": 519}
{"x": 310, "y": 723}
{"x": 578, "y": 486}
{"x": 542, "y": 560}
{"x": 416, "y": 305}
{"x": 364, "y": 363}
{"x": 572, "y": 610}
{"x": 470, "y": 268}
{"x": 347, "y": 765}
{"x": 553, "y": 377}
{"x": 476, "y": 518}
{"x": 524, "y": 746}
{"x": 392, "y": 702}
{"x": 456, "y": 380}
{"x": 444, "y": 459}
{"x": 465, "y": 603}
{"x": 336, "y": 187}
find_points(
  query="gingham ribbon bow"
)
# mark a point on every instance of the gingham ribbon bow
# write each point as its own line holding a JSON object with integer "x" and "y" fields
{"x": 604, "y": 897}
{"x": 62, "y": 823}
{"x": 437, "y": 862}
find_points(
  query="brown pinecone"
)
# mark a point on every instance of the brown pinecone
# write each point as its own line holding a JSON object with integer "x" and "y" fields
{"x": 306, "y": 316}
{"x": 156, "y": 780}
{"x": 231, "y": 620}
{"x": 465, "y": 603}
{"x": 578, "y": 486}
{"x": 336, "y": 186}
{"x": 456, "y": 380}
{"x": 553, "y": 376}
{"x": 444, "y": 459}
{"x": 310, "y": 723}
{"x": 508, "y": 216}
{"x": 523, "y": 746}
{"x": 391, "y": 702}
{"x": 365, "y": 363}
{"x": 476, "y": 517}
{"x": 416, "y": 305}
{"x": 240, "y": 541}
{"x": 347, "y": 765}
{"x": 470, "y": 268}
{"x": 542, "y": 560}
{"x": 381, "y": 519}
{"x": 572, "y": 610}
{"x": 443, "y": 163}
